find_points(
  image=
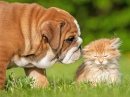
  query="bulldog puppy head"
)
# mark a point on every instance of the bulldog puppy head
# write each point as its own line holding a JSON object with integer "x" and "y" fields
{"x": 63, "y": 34}
{"x": 54, "y": 37}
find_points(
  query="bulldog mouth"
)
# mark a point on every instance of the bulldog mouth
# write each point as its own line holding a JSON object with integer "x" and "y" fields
{"x": 75, "y": 56}
{"x": 59, "y": 62}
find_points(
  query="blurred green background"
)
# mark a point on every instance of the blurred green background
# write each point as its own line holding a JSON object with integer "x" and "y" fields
{"x": 97, "y": 18}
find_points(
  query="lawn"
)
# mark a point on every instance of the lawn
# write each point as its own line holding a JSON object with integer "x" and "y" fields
{"x": 62, "y": 85}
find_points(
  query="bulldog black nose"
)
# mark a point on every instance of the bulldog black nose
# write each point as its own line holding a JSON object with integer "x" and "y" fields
{"x": 80, "y": 47}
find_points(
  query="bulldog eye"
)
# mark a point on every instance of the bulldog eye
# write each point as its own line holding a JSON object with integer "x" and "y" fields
{"x": 70, "y": 40}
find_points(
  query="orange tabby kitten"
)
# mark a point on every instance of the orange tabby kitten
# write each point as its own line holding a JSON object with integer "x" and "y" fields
{"x": 100, "y": 62}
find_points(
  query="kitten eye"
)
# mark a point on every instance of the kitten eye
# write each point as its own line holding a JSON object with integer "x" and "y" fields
{"x": 105, "y": 56}
{"x": 95, "y": 56}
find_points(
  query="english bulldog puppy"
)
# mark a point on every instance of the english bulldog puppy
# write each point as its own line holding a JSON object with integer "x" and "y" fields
{"x": 34, "y": 38}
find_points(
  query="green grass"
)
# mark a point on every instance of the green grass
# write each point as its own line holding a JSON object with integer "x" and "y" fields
{"x": 62, "y": 85}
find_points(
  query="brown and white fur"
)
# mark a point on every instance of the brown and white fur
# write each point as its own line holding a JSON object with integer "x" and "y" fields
{"x": 100, "y": 62}
{"x": 34, "y": 38}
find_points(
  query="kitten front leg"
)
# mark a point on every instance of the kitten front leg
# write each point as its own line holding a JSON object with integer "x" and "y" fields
{"x": 115, "y": 78}
{"x": 39, "y": 75}
{"x": 80, "y": 74}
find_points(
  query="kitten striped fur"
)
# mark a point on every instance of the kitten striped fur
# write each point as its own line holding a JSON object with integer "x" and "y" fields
{"x": 100, "y": 62}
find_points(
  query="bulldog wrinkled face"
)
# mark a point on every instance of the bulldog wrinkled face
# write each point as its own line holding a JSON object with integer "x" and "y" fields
{"x": 71, "y": 49}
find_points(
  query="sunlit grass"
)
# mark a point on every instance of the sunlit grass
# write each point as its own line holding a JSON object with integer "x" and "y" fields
{"x": 62, "y": 84}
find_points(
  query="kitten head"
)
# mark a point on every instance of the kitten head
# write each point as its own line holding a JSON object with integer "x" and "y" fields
{"x": 102, "y": 51}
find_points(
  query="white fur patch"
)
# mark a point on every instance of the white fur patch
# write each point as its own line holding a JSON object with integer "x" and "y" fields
{"x": 88, "y": 62}
{"x": 75, "y": 21}
{"x": 43, "y": 63}
{"x": 22, "y": 62}
{"x": 46, "y": 61}
{"x": 108, "y": 73}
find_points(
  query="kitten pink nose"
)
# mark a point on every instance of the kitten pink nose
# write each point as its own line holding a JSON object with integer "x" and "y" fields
{"x": 101, "y": 62}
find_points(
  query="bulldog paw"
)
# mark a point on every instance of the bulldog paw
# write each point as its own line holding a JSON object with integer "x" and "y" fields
{"x": 41, "y": 82}
{"x": 39, "y": 75}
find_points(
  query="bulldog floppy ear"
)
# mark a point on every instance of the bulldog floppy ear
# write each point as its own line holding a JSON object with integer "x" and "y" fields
{"x": 52, "y": 31}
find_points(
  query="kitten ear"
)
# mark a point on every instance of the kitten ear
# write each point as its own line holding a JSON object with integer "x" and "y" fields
{"x": 85, "y": 49}
{"x": 115, "y": 43}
